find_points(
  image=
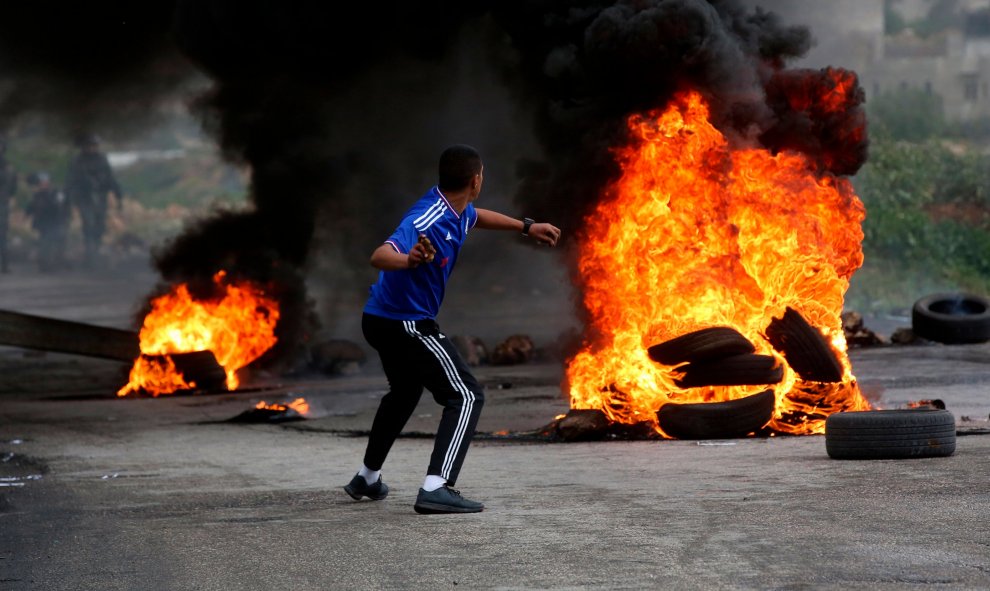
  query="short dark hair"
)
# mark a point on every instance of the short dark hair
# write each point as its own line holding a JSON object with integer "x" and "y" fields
{"x": 458, "y": 165}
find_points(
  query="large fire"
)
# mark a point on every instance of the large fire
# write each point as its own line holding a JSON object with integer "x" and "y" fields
{"x": 238, "y": 326}
{"x": 696, "y": 234}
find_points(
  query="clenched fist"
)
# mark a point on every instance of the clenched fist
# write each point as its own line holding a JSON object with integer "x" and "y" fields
{"x": 545, "y": 233}
{"x": 421, "y": 252}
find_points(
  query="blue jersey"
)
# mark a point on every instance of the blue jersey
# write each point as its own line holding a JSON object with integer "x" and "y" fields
{"x": 416, "y": 294}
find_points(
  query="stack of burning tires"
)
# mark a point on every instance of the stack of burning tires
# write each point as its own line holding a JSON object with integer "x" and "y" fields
{"x": 721, "y": 356}
{"x": 717, "y": 356}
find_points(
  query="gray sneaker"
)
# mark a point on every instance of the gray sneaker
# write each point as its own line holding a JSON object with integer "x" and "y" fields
{"x": 358, "y": 488}
{"x": 445, "y": 500}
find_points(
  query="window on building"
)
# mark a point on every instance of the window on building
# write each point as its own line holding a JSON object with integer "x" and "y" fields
{"x": 971, "y": 87}
{"x": 928, "y": 87}
{"x": 903, "y": 85}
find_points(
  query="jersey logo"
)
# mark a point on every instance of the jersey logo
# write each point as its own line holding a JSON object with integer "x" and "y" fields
{"x": 443, "y": 263}
{"x": 448, "y": 236}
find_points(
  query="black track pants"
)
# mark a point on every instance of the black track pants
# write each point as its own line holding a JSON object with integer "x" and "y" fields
{"x": 416, "y": 354}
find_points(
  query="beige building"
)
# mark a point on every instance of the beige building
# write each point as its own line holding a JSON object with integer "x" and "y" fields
{"x": 955, "y": 67}
{"x": 953, "y": 63}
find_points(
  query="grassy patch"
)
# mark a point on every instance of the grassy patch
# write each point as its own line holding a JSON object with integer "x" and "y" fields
{"x": 926, "y": 227}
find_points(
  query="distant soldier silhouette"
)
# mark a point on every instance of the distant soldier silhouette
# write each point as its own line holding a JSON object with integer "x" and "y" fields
{"x": 49, "y": 212}
{"x": 8, "y": 186}
{"x": 87, "y": 186}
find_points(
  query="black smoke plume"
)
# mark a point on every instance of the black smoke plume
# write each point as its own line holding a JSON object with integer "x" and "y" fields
{"x": 581, "y": 68}
{"x": 589, "y": 68}
{"x": 283, "y": 74}
{"x": 819, "y": 113}
{"x": 321, "y": 99}
{"x": 89, "y": 65}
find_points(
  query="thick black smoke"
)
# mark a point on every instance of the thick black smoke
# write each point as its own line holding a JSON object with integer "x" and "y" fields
{"x": 818, "y": 113}
{"x": 589, "y": 68}
{"x": 322, "y": 100}
{"x": 283, "y": 102}
{"x": 89, "y": 65}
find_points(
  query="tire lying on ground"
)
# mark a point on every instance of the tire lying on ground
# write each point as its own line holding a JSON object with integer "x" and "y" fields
{"x": 890, "y": 434}
{"x": 952, "y": 318}
{"x": 701, "y": 345}
{"x": 199, "y": 368}
{"x": 717, "y": 420}
{"x": 738, "y": 370}
{"x": 804, "y": 348}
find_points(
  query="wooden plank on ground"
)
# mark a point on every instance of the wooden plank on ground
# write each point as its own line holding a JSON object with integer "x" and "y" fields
{"x": 66, "y": 336}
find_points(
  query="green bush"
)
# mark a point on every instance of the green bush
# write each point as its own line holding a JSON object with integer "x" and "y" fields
{"x": 926, "y": 226}
{"x": 963, "y": 179}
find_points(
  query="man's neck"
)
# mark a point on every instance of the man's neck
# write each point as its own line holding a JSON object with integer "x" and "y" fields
{"x": 458, "y": 200}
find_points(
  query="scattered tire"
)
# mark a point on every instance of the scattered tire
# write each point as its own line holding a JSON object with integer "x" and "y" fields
{"x": 890, "y": 434}
{"x": 952, "y": 318}
{"x": 198, "y": 367}
{"x": 717, "y": 420}
{"x": 804, "y": 348}
{"x": 701, "y": 345}
{"x": 738, "y": 370}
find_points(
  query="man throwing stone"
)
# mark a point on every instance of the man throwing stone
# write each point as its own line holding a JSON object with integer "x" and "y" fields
{"x": 399, "y": 322}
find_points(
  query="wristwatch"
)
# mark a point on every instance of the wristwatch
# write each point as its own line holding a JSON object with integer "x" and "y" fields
{"x": 527, "y": 222}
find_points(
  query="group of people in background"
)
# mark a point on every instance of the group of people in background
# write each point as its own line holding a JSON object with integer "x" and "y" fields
{"x": 88, "y": 184}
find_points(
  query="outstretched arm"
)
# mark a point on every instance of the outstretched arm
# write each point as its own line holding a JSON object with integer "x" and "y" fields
{"x": 493, "y": 220}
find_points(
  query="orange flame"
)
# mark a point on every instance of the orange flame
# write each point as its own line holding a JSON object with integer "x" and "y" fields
{"x": 238, "y": 327}
{"x": 156, "y": 375}
{"x": 299, "y": 405}
{"x": 695, "y": 234}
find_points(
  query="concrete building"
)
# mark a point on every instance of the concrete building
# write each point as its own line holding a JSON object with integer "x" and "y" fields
{"x": 953, "y": 62}
{"x": 952, "y": 65}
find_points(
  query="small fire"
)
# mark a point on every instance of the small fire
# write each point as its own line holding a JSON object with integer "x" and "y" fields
{"x": 933, "y": 403}
{"x": 696, "y": 234}
{"x": 238, "y": 327}
{"x": 155, "y": 375}
{"x": 299, "y": 405}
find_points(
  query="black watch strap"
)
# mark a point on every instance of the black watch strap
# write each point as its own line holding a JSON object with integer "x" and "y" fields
{"x": 527, "y": 222}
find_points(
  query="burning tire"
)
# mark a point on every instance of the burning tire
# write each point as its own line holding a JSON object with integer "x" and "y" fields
{"x": 804, "y": 348}
{"x": 890, "y": 434}
{"x": 952, "y": 318}
{"x": 738, "y": 370}
{"x": 201, "y": 367}
{"x": 717, "y": 420}
{"x": 701, "y": 345}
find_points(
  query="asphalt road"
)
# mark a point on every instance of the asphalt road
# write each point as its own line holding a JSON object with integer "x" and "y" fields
{"x": 101, "y": 493}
